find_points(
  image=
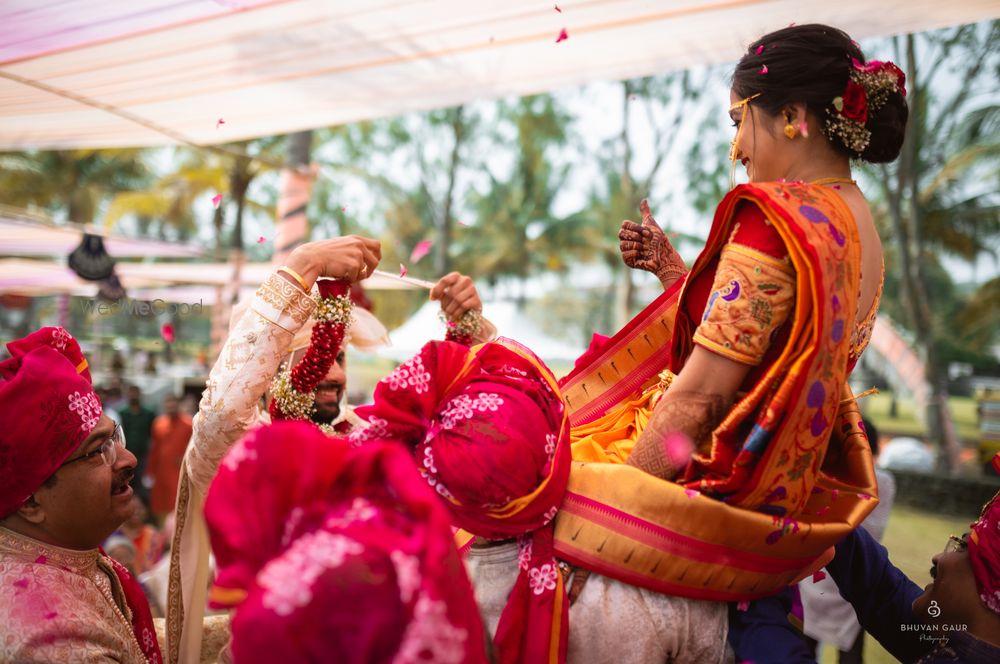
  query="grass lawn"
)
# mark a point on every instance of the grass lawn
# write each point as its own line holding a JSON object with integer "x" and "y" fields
{"x": 876, "y": 407}
{"x": 912, "y": 538}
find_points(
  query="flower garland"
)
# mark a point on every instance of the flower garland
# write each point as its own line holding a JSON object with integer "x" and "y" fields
{"x": 464, "y": 329}
{"x": 293, "y": 391}
{"x": 868, "y": 88}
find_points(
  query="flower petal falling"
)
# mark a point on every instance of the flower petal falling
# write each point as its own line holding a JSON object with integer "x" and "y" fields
{"x": 167, "y": 332}
{"x": 216, "y": 200}
{"x": 261, "y": 240}
{"x": 818, "y": 576}
{"x": 421, "y": 249}
{"x": 690, "y": 493}
{"x": 402, "y": 270}
{"x": 558, "y": 10}
{"x": 563, "y": 36}
{"x": 760, "y": 49}
{"x": 763, "y": 70}
{"x": 219, "y": 123}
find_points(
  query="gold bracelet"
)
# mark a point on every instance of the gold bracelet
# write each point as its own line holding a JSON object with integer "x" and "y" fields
{"x": 296, "y": 276}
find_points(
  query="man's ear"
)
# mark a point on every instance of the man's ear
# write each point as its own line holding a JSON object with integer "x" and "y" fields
{"x": 31, "y": 511}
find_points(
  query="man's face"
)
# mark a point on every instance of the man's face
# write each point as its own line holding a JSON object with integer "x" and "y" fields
{"x": 89, "y": 500}
{"x": 330, "y": 390}
{"x": 171, "y": 406}
{"x": 950, "y": 596}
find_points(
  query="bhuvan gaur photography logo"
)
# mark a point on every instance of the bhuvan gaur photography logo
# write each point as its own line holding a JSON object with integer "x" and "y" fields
{"x": 936, "y": 633}
{"x": 141, "y": 308}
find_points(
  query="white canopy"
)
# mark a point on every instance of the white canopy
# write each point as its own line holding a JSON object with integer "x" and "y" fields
{"x": 79, "y": 73}
{"x": 425, "y": 325}
{"x": 24, "y": 235}
{"x": 172, "y": 282}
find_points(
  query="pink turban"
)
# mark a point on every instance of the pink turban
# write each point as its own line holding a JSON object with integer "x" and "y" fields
{"x": 489, "y": 431}
{"x": 331, "y": 552}
{"x": 984, "y": 550}
{"x": 48, "y": 408}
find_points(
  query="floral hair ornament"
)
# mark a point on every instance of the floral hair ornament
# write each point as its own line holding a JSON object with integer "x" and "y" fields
{"x": 867, "y": 89}
{"x": 733, "y": 147}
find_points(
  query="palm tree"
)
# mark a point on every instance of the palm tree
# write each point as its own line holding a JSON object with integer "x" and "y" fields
{"x": 73, "y": 182}
{"x": 931, "y": 211}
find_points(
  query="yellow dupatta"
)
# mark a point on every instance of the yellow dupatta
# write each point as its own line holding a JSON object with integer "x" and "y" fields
{"x": 791, "y": 493}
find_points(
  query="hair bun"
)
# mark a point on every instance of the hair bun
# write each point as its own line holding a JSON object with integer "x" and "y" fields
{"x": 888, "y": 129}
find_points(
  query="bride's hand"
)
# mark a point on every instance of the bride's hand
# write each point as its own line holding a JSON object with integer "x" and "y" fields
{"x": 645, "y": 247}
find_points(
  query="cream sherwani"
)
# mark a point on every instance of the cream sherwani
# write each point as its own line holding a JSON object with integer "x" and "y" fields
{"x": 60, "y": 605}
{"x": 229, "y": 407}
{"x": 612, "y": 622}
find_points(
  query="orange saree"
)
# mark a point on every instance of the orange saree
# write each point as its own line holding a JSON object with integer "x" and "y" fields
{"x": 789, "y": 471}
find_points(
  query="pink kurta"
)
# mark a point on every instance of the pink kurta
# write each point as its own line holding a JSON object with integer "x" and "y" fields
{"x": 61, "y": 605}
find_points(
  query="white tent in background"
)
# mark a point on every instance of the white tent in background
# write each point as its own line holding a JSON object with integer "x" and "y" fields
{"x": 425, "y": 325}
{"x": 79, "y": 73}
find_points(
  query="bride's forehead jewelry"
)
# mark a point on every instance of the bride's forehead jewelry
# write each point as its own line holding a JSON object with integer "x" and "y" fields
{"x": 743, "y": 104}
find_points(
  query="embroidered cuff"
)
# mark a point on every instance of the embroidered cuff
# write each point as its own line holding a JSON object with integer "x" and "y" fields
{"x": 752, "y": 297}
{"x": 283, "y": 303}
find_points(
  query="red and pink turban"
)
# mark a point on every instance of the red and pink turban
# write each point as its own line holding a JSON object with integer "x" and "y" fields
{"x": 333, "y": 552}
{"x": 984, "y": 550}
{"x": 489, "y": 432}
{"x": 48, "y": 408}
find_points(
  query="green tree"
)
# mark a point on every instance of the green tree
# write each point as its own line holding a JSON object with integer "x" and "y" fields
{"x": 73, "y": 182}
{"x": 933, "y": 194}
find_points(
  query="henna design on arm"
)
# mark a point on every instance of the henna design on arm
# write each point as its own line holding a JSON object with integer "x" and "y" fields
{"x": 693, "y": 414}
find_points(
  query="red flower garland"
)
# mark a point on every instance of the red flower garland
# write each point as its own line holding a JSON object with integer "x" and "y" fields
{"x": 324, "y": 346}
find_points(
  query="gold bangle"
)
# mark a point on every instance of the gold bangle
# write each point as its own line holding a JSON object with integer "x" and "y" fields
{"x": 296, "y": 276}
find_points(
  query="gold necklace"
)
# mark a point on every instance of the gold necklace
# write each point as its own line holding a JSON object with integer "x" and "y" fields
{"x": 822, "y": 181}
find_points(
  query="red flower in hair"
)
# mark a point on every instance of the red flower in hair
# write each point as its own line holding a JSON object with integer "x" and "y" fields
{"x": 855, "y": 103}
{"x": 900, "y": 76}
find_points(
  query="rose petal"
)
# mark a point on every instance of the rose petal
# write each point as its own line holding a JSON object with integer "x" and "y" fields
{"x": 558, "y": 10}
{"x": 167, "y": 332}
{"x": 763, "y": 70}
{"x": 261, "y": 240}
{"x": 216, "y": 200}
{"x": 743, "y": 605}
{"x": 818, "y": 576}
{"x": 690, "y": 493}
{"x": 421, "y": 249}
{"x": 760, "y": 49}
{"x": 563, "y": 36}
{"x": 343, "y": 209}
{"x": 219, "y": 122}
{"x": 402, "y": 270}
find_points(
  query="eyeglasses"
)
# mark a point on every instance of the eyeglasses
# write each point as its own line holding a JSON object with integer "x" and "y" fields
{"x": 956, "y": 543}
{"x": 733, "y": 147}
{"x": 108, "y": 449}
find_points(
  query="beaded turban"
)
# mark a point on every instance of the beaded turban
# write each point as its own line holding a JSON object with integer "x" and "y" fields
{"x": 48, "y": 408}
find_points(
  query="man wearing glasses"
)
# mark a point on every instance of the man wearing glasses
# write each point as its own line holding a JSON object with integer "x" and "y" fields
{"x": 64, "y": 488}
